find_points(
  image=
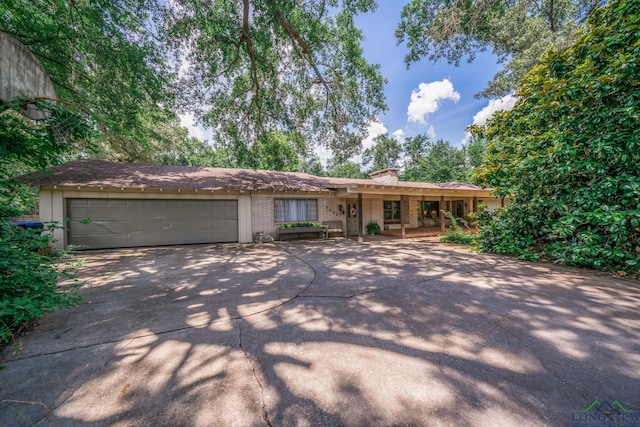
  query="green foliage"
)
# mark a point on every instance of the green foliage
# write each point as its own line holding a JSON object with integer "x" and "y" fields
{"x": 295, "y": 66}
{"x": 29, "y": 269}
{"x": 414, "y": 149}
{"x": 438, "y": 162}
{"x": 29, "y": 274}
{"x": 385, "y": 153}
{"x": 311, "y": 164}
{"x": 301, "y": 224}
{"x": 105, "y": 57}
{"x": 518, "y": 32}
{"x": 279, "y": 151}
{"x": 344, "y": 169}
{"x": 568, "y": 154}
{"x": 26, "y": 146}
{"x": 455, "y": 233}
{"x": 193, "y": 152}
{"x": 373, "y": 227}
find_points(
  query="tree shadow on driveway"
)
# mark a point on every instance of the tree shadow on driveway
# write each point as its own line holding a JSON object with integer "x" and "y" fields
{"x": 327, "y": 333}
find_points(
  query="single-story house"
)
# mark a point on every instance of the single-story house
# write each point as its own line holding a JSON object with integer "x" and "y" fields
{"x": 131, "y": 204}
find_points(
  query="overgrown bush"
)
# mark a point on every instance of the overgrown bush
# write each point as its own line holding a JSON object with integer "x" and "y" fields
{"x": 455, "y": 233}
{"x": 568, "y": 153}
{"x": 29, "y": 273}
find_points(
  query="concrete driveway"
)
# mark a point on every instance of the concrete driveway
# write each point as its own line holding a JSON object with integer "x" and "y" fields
{"x": 327, "y": 333}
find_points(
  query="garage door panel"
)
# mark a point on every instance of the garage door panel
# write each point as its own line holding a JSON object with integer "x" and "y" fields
{"x": 143, "y": 222}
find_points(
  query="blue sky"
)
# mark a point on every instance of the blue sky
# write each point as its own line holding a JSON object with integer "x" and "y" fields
{"x": 444, "y": 103}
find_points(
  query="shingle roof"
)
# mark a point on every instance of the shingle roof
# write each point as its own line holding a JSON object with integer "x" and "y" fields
{"x": 98, "y": 173}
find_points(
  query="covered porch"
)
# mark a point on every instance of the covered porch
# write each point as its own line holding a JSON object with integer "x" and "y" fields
{"x": 412, "y": 233}
{"x": 408, "y": 209}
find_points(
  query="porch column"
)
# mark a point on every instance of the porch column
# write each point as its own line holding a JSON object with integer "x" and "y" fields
{"x": 402, "y": 215}
{"x": 475, "y": 205}
{"x": 360, "y": 213}
{"x": 502, "y": 202}
{"x": 442, "y": 227}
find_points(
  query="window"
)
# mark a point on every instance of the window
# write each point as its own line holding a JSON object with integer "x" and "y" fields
{"x": 391, "y": 211}
{"x": 291, "y": 210}
{"x": 431, "y": 210}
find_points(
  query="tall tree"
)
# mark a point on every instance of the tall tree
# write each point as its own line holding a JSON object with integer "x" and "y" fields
{"x": 568, "y": 153}
{"x": 311, "y": 164}
{"x": 105, "y": 58}
{"x": 259, "y": 66}
{"x": 385, "y": 153}
{"x": 440, "y": 162}
{"x": 414, "y": 148}
{"x": 517, "y": 31}
{"x": 344, "y": 169}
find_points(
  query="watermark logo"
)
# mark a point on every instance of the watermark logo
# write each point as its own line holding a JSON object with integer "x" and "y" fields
{"x": 604, "y": 414}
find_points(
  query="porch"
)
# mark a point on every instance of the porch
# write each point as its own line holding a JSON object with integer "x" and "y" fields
{"x": 410, "y": 233}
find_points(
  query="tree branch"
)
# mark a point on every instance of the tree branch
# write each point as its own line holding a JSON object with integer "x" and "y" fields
{"x": 252, "y": 57}
{"x": 298, "y": 42}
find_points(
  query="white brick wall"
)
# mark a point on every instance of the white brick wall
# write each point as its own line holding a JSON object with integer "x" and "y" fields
{"x": 262, "y": 216}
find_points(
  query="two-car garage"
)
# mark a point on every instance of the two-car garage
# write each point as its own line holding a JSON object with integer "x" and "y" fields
{"x": 116, "y": 223}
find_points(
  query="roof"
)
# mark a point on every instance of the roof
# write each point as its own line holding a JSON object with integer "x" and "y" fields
{"x": 99, "y": 173}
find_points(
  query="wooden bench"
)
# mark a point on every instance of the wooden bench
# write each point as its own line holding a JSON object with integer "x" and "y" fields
{"x": 334, "y": 226}
{"x": 301, "y": 230}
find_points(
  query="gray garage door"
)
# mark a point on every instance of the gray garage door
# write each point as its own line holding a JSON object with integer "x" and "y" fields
{"x": 127, "y": 223}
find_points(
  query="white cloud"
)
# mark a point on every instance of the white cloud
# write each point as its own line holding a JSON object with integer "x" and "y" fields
{"x": 399, "y": 135}
{"x": 324, "y": 154}
{"x": 431, "y": 132}
{"x": 376, "y": 128}
{"x": 481, "y": 117}
{"x": 188, "y": 121}
{"x": 504, "y": 103}
{"x": 428, "y": 97}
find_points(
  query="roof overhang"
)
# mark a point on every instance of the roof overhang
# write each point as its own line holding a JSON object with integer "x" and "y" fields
{"x": 351, "y": 190}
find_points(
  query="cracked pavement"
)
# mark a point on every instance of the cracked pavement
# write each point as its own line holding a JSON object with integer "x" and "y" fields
{"x": 326, "y": 333}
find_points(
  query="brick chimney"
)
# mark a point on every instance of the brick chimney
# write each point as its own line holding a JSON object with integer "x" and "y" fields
{"x": 385, "y": 176}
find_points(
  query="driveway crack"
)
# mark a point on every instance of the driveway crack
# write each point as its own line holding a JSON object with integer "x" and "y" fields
{"x": 265, "y": 412}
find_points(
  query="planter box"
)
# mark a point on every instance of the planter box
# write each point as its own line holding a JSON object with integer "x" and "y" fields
{"x": 300, "y": 230}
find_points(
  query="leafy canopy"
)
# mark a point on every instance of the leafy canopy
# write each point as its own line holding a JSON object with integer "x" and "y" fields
{"x": 262, "y": 66}
{"x": 385, "y": 153}
{"x": 568, "y": 154}
{"x": 436, "y": 162}
{"x": 106, "y": 58}
{"x": 517, "y": 31}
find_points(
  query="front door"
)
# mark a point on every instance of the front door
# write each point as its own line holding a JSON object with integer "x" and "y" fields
{"x": 352, "y": 217}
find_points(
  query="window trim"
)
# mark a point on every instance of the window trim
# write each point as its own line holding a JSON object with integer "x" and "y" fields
{"x": 395, "y": 214}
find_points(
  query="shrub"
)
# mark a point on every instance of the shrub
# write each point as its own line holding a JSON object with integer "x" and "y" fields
{"x": 373, "y": 227}
{"x": 455, "y": 233}
{"x": 29, "y": 274}
{"x": 568, "y": 152}
{"x": 301, "y": 224}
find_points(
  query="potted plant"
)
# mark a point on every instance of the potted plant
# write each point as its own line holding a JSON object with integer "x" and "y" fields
{"x": 373, "y": 227}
